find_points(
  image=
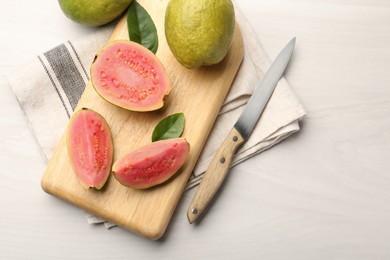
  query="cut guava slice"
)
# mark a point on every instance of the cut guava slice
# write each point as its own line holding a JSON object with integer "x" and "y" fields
{"x": 90, "y": 148}
{"x": 151, "y": 164}
{"x": 130, "y": 76}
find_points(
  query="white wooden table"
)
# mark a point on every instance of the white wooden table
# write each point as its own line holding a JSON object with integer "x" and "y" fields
{"x": 324, "y": 193}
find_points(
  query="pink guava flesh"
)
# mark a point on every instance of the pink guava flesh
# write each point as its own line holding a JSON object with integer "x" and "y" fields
{"x": 90, "y": 148}
{"x": 130, "y": 76}
{"x": 152, "y": 164}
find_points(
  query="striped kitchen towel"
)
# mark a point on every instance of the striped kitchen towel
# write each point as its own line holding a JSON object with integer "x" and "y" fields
{"x": 49, "y": 87}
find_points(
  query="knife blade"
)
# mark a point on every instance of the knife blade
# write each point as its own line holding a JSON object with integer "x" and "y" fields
{"x": 242, "y": 129}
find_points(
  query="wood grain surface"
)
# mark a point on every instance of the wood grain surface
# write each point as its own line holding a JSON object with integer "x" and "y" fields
{"x": 198, "y": 93}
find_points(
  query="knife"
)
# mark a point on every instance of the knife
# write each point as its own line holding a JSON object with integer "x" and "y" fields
{"x": 220, "y": 164}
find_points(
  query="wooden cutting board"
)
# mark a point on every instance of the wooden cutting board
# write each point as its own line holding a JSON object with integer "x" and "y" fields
{"x": 197, "y": 93}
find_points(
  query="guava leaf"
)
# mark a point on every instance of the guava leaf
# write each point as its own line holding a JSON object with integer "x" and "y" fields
{"x": 141, "y": 27}
{"x": 170, "y": 127}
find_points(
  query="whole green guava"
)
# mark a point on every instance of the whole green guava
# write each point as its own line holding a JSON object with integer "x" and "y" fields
{"x": 199, "y": 32}
{"x": 93, "y": 12}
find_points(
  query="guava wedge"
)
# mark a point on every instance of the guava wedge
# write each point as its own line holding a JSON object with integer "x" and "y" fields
{"x": 90, "y": 148}
{"x": 151, "y": 164}
{"x": 130, "y": 76}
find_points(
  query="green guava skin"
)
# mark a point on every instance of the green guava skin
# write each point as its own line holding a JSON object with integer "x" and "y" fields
{"x": 199, "y": 32}
{"x": 93, "y": 12}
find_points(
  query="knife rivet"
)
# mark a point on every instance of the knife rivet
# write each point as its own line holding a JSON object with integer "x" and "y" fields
{"x": 235, "y": 138}
{"x": 194, "y": 210}
{"x": 222, "y": 160}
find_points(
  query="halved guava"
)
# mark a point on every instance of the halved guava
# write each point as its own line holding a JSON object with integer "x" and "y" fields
{"x": 151, "y": 164}
{"x": 130, "y": 76}
{"x": 90, "y": 148}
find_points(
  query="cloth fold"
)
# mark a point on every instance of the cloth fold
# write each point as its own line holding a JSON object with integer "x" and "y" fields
{"x": 49, "y": 87}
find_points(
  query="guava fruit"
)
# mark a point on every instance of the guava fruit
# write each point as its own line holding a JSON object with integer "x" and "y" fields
{"x": 151, "y": 164}
{"x": 130, "y": 76}
{"x": 199, "y": 32}
{"x": 92, "y": 12}
{"x": 90, "y": 148}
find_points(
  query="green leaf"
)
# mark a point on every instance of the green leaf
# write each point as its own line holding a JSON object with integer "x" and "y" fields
{"x": 169, "y": 127}
{"x": 141, "y": 27}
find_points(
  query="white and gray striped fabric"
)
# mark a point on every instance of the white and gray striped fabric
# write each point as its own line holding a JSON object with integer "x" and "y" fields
{"x": 70, "y": 74}
{"x": 49, "y": 87}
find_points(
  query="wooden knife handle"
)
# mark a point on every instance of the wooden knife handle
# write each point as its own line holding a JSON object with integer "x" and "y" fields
{"x": 215, "y": 175}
